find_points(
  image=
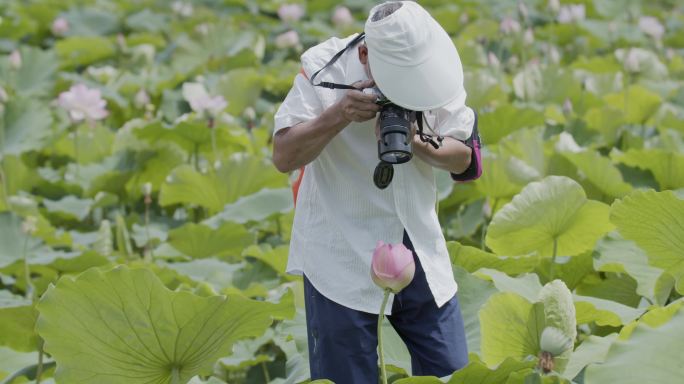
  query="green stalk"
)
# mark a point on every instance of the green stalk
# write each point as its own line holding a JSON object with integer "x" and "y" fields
{"x": 175, "y": 375}
{"x": 78, "y": 176}
{"x": 27, "y": 271}
{"x": 381, "y": 316}
{"x": 3, "y": 180}
{"x": 41, "y": 353}
{"x": 553, "y": 259}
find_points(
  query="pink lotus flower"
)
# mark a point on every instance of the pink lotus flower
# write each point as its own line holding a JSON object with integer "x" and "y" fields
{"x": 60, "y": 26}
{"x": 342, "y": 17}
{"x": 287, "y": 40}
{"x": 200, "y": 101}
{"x": 509, "y": 25}
{"x": 392, "y": 266}
{"x": 83, "y": 103}
{"x": 290, "y": 13}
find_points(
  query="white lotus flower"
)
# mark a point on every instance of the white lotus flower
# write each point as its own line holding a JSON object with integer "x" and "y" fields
{"x": 342, "y": 17}
{"x": 290, "y": 13}
{"x": 200, "y": 101}
{"x": 15, "y": 59}
{"x": 493, "y": 61}
{"x": 528, "y": 37}
{"x": 554, "y": 341}
{"x": 60, "y": 26}
{"x": 651, "y": 26}
{"x": 83, "y": 103}
{"x": 571, "y": 13}
{"x": 288, "y": 39}
{"x": 509, "y": 25}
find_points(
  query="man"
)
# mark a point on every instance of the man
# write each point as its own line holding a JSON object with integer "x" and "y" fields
{"x": 340, "y": 214}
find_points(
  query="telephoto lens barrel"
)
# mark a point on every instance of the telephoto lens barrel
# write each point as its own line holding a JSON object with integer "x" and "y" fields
{"x": 394, "y": 146}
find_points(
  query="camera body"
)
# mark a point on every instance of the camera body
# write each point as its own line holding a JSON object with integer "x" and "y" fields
{"x": 394, "y": 146}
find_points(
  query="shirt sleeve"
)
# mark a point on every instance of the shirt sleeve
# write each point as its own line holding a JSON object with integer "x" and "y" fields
{"x": 301, "y": 104}
{"x": 455, "y": 120}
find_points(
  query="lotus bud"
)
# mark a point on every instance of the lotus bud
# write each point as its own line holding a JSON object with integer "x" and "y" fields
{"x": 528, "y": 37}
{"x": 342, "y": 17}
{"x": 509, "y": 25}
{"x": 60, "y": 26}
{"x": 15, "y": 59}
{"x": 392, "y": 266}
{"x": 141, "y": 98}
{"x": 288, "y": 39}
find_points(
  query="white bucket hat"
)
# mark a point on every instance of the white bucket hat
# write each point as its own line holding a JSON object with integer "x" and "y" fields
{"x": 412, "y": 59}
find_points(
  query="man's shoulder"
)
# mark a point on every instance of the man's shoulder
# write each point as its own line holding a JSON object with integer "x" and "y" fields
{"x": 317, "y": 56}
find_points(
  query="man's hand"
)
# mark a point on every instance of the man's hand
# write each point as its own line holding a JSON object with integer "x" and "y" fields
{"x": 358, "y": 106}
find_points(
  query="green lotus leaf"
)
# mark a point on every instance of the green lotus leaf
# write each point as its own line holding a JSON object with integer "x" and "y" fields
{"x": 524, "y": 149}
{"x": 37, "y": 72}
{"x": 215, "y": 189}
{"x": 637, "y": 103}
{"x": 623, "y": 256}
{"x": 215, "y": 272}
{"x": 69, "y": 207}
{"x": 655, "y": 222}
{"x": 201, "y": 241}
{"x": 12, "y": 361}
{"x": 607, "y": 121}
{"x": 511, "y": 327}
{"x": 94, "y": 144}
{"x": 651, "y": 355}
{"x": 14, "y": 241}
{"x": 17, "y": 319}
{"x": 496, "y": 181}
{"x": 242, "y": 86}
{"x": 472, "y": 259}
{"x": 655, "y": 317}
{"x": 83, "y": 50}
{"x": 666, "y": 166}
{"x": 526, "y": 285}
{"x": 473, "y": 293}
{"x": 506, "y": 119}
{"x": 123, "y": 324}
{"x": 255, "y": 207}
{"x": 552, "y": 217}
{"x": 592, "y": 350}
{"x": 477, "y": 372}
{"x": 91, "y": 21}
{"x": 275, "y": 257}
{"x": 26, "y": 126}
{"x": 571, "y": 270}
{"x": 600, "y": 171}
{"x": 603, "y": 312}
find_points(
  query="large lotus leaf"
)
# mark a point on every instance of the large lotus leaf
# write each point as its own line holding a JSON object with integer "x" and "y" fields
{"x": 623, "y": 256}
{"x": 215, "y": 189}
{"x": 94, "y": 144}
{"x": 603, "y": 312}
{"x": 592, "y": 350}
{"x": 637, "y": 103}
{"x": 25, "y": 126}
{"x": 607, "y": 121}
{"x": 526, "y": 285}
{"x": 12, "y": 361}
{"x": 651, "y": 355}
{"x": 550, "y": 215}
{"x": 655, "y": 221}
{"x": 193, "y": 136}
{"x": 477, "y": 372}
{"x": 496, "y": 181}
{"x": 472, "y": 259}
{"x": 83, "y": 50}
{"x": 524, "y": 149}
{"x": 255, "y": 207}
{"x": 215, "y": 272}
{"x": 201, "y": 241}
{"x": 91, "y": 21}
{"x": 506, "y": 119}
{"x": 69, "y": 207}
{"x": 667, "y": 167}
{"x": 275, "y": 257}
{"x": 571, "y": 270}
{"x": 473, "y": 293}
{"x": 511, "y": 327}
{"x": 18, "y": 175}
{"x": 124, "y": 324}
{"x": 242, "y": 87}
{"x": 17, "y": 319}
{"x": 14, "y": 241}
{"x": 36, "y": 74}
{"x": 617, "y": 287}
{"x": 656, "y": 317}
{"x": 600, "y": 171}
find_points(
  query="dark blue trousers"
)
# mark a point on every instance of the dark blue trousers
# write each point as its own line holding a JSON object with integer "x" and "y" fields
{"x": 343, "y": 341}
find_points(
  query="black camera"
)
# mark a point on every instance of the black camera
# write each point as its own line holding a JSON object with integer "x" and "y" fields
{"x": 394, "y": 146}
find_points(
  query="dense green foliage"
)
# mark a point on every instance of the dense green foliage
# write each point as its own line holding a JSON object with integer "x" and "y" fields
{"x": 145, "y": 240}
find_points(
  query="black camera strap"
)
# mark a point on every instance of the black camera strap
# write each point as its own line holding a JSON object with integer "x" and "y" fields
{"x": 426, "y": 138}
{"x": 332, "y": 61}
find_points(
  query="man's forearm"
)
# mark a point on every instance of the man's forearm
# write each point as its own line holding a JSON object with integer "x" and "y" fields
{"x": 452, "y": 156}
{"x": 296, "y": 146}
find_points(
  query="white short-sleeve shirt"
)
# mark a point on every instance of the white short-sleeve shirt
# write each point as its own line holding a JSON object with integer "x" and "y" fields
{"x": 340, "y": 214}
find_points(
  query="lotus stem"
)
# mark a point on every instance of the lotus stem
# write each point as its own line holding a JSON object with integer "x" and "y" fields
{"x": 27, "y": 271}
{"x": 553, "y": 259}
{"x": 381, "y": 317}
